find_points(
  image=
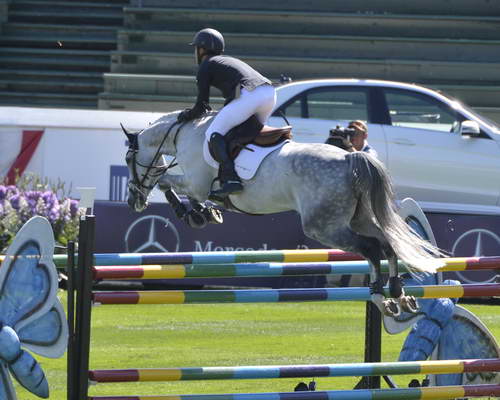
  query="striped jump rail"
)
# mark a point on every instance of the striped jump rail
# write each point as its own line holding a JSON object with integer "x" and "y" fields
{"x": 269, "y": 256}
{"x": 286, "y": 295}
{"x": 182, "y": 271}
{"x": 224, "y": 257}
{"x": 294, "y": 371}
{"x": 423, "y": 393}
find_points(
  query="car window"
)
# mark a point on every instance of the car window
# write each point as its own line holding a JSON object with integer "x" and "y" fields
{"x": 416, "y": 110}
{"x": 338, "y": 103}
{"x": 294, "y": 109}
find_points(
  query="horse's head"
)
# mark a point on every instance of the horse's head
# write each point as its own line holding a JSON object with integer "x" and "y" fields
{"x": 145, "y": 169}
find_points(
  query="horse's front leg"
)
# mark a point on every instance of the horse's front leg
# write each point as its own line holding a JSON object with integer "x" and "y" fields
{"x": 169, "y": 184}
{"x": 407, "y": 303}
{"x": 176, "y": 182}
{"x": 212, "y": 214}
{"x": 200, "y": 214}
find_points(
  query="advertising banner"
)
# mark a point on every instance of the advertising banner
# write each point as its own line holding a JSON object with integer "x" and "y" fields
{"x": 157, "y": 229}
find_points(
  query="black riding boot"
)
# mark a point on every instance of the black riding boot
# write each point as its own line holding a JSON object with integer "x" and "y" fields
{"x": 229, "y": 181}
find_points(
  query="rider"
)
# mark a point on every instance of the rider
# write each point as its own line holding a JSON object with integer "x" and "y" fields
{"x": 246, "y": 92}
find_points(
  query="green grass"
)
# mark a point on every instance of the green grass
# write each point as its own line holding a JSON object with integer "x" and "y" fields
{"x": 150, "y": 336}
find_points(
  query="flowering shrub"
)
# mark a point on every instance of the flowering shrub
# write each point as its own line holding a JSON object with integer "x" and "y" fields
{"x": 32, "y": 196}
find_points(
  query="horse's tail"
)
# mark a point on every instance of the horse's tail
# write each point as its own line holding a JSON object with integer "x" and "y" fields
{"x": 372, "y": 182}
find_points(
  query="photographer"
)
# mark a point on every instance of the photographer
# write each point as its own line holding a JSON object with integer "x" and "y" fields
{"x": 352, "y": 138}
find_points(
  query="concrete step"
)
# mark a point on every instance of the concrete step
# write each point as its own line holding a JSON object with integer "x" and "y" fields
{"x": 185, "y": 86}
{"x": 57, "y": 42}
{"x": 57, "y": 59}
{"x": 93, "y": 78}
{"x": 65, "y": 17}
{"x": 52, "y": 100}
{"x": 310, "y": 22}
{"x": 96, "y": 2}
{"x": 423, "y": 7}
{"x": 493, "y": 113}
{"x": 474, "y": 95}
{"x": 293, "y": 45}
{"x": 34, "y": 81}
{"x": 46, "y": 86}
{"x": 66, "y": 30}
{"x": 303, "y": 67}
{"x": 149, "y": 102}
{"x": 74, "y": 6}
{"x": 4, "y": 11}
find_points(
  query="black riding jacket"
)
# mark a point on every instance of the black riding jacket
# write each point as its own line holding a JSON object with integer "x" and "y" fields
{"x": 226, "y": 74}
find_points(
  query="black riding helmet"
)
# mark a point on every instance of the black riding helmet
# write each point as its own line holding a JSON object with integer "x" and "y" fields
{"x": 210, "y": 40}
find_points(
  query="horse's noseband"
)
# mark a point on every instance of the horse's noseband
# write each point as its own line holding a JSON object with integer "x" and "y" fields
{"x": 136, "y": 184}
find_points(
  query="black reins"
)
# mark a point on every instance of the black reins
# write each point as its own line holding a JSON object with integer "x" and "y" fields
{"x": 160, "y": 170}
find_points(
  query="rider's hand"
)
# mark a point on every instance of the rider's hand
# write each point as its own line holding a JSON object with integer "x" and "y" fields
{"x": 184, "y": 116}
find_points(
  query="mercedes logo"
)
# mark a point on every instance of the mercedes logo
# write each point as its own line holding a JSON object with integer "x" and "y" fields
{"x": 152, "y": 233}
{"x": 476, "y": 243}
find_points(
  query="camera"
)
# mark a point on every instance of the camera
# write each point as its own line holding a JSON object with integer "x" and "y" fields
{"x": 341, "y": 137}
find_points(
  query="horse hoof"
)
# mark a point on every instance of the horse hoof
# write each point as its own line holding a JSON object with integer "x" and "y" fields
{"x": 213, "y": 215}
{"x": 196, "y": 220}
{"x": 391, "y": 308}
{"x": 409, "y": 304}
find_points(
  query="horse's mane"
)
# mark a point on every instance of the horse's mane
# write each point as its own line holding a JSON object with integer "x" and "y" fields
{"x": 199, "y": 125}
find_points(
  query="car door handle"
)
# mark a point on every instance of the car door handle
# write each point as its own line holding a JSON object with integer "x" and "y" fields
{"x": 404, "y": 141}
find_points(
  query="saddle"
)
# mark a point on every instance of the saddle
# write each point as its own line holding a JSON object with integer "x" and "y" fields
{"x": 253, "y": 132}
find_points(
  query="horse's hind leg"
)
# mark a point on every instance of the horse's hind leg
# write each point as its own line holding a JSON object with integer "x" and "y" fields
{"x": 360, "y": 223}
{"x": 407, "y": 303}
{"x": 371, "y": 249}
{"x": 398, "y": 298}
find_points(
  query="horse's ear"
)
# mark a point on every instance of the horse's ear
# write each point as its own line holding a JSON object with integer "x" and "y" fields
{"x": 132, "y": 138}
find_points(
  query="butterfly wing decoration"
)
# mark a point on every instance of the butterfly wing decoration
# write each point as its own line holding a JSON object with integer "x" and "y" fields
{"x": 466, "y": 337}
{"x": 7, "y": 391}
{"x": 31, "y": 316}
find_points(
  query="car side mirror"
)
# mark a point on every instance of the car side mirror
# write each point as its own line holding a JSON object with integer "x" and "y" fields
{"x": 469, "y": 128}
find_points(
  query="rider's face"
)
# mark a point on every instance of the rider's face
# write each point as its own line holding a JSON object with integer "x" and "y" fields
{"x": 198, "y": 54}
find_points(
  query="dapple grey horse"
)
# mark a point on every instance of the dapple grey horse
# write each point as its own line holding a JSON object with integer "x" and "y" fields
{"x": 345, "y": 200}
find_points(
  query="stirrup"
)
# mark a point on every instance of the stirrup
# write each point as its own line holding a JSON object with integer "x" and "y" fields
{"x": 227, "y": 189}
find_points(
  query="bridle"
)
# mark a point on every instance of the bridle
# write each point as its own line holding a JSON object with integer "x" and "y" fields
{"x": 137, "y": 184}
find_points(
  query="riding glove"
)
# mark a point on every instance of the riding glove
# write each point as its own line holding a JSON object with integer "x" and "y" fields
{"x": 192, "y": 113}
{"x": 184, "y": 116}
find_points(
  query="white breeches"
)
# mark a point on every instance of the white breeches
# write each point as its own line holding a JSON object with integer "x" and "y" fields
{"x": 259, "y": 101}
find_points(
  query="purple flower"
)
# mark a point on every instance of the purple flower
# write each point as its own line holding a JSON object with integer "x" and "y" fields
{"x": 61, "y": 213}
{"x": 32, "y": 197}
{"x": 12, "y": 190}
{"x": 15, "y": 201}
{"x": 73, "y": 207}
{"x": 49, "y": 198}
{"x": 53, "y": 213}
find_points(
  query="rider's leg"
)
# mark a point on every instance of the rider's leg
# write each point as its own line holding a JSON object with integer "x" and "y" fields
{"x": 229, "y": 180}
{"x": 268, "y": 95}
{"x": 260, "y": 101}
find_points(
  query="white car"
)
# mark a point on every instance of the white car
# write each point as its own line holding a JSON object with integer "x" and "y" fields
{"x": 437, "y": 149}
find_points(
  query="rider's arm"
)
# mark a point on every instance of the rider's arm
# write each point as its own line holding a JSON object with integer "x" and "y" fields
{"x": 201, "y": 106}
{"x": 203, "y": 83}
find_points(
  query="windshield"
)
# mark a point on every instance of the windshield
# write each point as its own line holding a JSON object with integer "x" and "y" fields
{"x": 486, "y": 120}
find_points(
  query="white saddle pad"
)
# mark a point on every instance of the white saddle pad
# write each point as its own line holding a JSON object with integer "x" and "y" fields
{"x": 247, "y": 162}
